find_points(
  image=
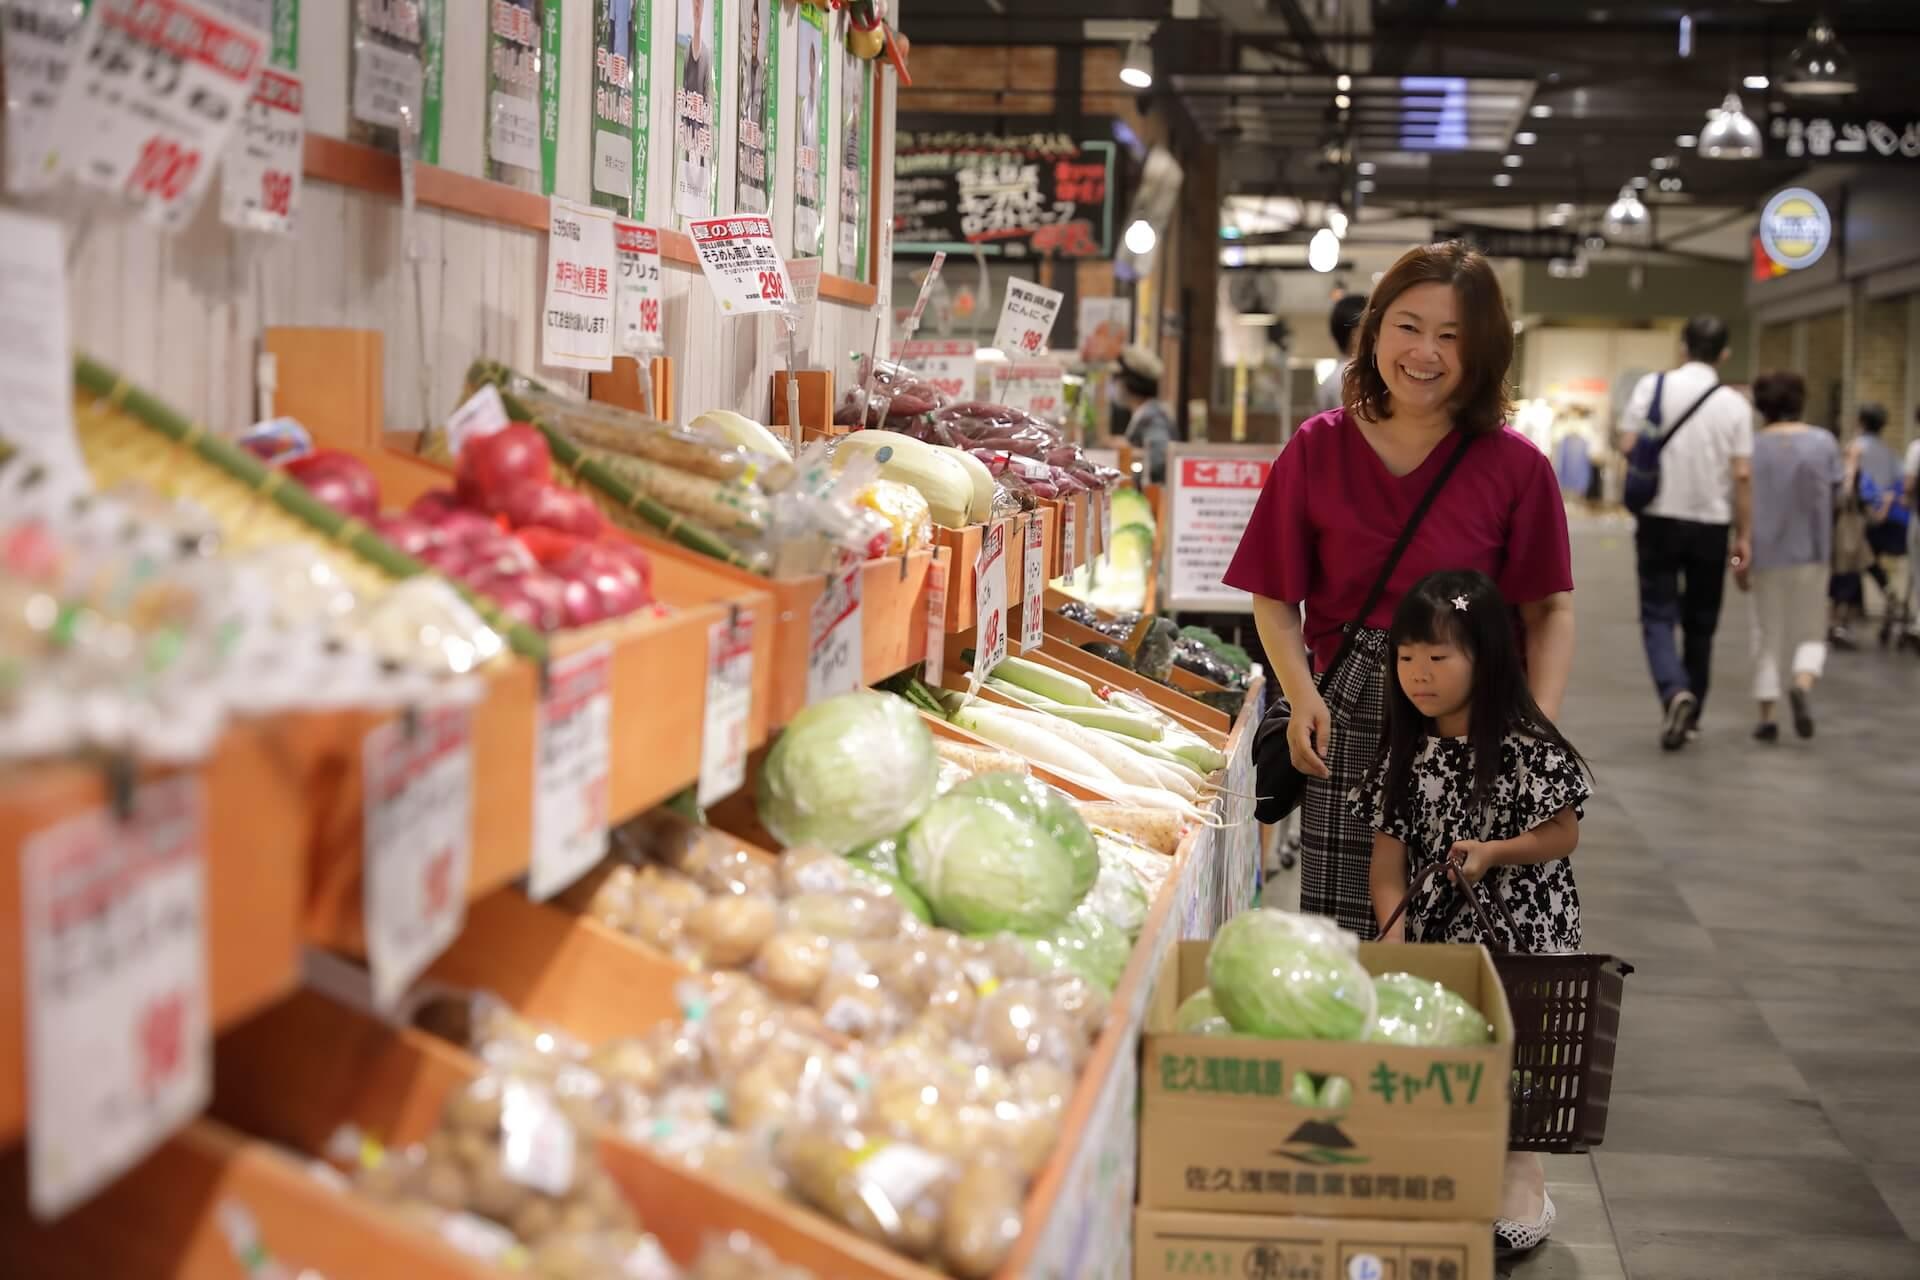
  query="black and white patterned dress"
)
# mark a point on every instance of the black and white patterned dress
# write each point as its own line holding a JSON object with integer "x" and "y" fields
{"x": 1536, "y": 781}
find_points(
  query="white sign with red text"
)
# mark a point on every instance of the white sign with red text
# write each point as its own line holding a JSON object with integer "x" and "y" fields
{"x": 260, "y": 179}
{"x": 577, "y": 323}
{"x": 1026, "y": 319}
{"x": 572, "y": 760}
{"x": 1037, "y": 388}
{"x": 38, "y": 39}
{"x": 1069, "y": 535}
{"x": 990, "y": 602}
{"x": 936, "y": 659}
{"x": 151, "y": 100}
{"x": 946, "y": 363}
{"x": 723, "y": 730}
{"x": 636, "y": 294}
{"x": 1033, "y": 582}
{"x": 835, "y": 652}
{"x": 417, "y": 843}
{"x": 119, "y": 1044}
{"x": 742, "y": 266}
{"x": 1214, "y": 489}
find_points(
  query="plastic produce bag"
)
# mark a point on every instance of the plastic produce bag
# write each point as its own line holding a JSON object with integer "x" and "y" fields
{"x": 985, "y": 864}
{"x": 847, "y": 771}
{"x": 1290, "y": 977}
{"x": 1198, "y": 1015}
{"x": 1417, "y": 1011}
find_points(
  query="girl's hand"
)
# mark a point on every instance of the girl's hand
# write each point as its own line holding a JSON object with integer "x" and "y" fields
{"x": 1307, "y": 735}
{"x": 1472, "y": 859}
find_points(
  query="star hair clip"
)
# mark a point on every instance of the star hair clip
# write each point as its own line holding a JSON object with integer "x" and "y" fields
{"x": 1459, "y": 604}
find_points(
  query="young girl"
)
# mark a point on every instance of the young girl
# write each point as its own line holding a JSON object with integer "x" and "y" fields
{"x": 1475, "y": 778}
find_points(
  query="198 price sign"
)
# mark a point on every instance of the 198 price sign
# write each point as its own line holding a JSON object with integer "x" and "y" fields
{"x": 260, "y": 182}
{"x": 153, "y": 99}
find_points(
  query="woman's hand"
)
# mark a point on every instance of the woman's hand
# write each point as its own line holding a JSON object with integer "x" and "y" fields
{"x": 1308, "y": 733}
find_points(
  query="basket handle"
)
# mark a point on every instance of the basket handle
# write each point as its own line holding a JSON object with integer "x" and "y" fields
{"x": 1471, "y": 893}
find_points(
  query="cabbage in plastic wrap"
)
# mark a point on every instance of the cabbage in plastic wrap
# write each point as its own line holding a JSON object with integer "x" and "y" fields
{"x": 1417, "y": 1011}
{"x": 1288, "y": 976}
{"x": 847, "y": 771}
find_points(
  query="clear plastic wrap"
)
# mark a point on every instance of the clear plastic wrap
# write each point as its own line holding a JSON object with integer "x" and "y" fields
{"x": 846, "y": 771}
{"x": 1288, "y": 976}
{"x": 738, "y": 1256}
{"x": 1418, "y": 1011}
{"x": 888, "y": 1191}
{"x": 1198, "y": 1015}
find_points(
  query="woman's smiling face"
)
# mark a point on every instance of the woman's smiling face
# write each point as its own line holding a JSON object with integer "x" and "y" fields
{"x": 1418, "y": 351}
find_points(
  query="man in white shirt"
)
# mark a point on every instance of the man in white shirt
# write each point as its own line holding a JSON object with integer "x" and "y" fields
{"x": 1682, "y": 544}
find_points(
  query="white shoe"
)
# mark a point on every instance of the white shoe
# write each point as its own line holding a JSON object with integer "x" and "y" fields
{"x": 1510, "y": 1237}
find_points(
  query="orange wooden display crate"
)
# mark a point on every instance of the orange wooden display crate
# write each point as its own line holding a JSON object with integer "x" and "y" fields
{"x": 256, "y": 812}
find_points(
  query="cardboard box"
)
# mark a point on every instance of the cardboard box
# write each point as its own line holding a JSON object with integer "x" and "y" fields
{"x": 1242, "y": 1246}
{"x": 1423, "y": 1134}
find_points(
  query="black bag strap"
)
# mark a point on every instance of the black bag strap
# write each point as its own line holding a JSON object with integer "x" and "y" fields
{"x": 1660, "y": 445}
{"x": 1653, "y": 410}
{"x": 1393, "y": 559}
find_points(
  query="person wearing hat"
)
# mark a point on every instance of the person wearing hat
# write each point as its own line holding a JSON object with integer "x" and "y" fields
{"x": 1136, "y": 388}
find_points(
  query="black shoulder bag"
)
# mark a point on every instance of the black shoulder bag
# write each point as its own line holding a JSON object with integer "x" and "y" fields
{"x": 1278, "y": 785}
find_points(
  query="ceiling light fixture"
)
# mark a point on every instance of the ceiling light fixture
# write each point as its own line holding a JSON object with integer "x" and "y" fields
{"x": 1502, "y": 179}
{"x": 1337, "y": 220}
{"x": 1638, "y": 184}
{"x": 1627, "y": 217}
{"x": 1140, "y": 237}
{"x": 1512, "y": 162}
{"x": 1323, "y": 251}
{"x": 1661, "y": 162}
{"x": 1343, "y": 82}
{"x": 1687, "y": 140}
{"x": 1756, "y": 82}
{"x": 1342, "y": 101}
{"x": 1540, "y": 111}
{"x": 1526, "y": 138}
{"x": 1137, "y": 70}
{"x": 1820, "y": 66}
{"x": 1366, "y": 168}
{"x": 1365, "y": 186}
{"x": 1731, "y": 133}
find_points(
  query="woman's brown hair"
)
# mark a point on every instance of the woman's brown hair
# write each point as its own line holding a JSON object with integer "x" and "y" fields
{"x": 1483, "y": 403}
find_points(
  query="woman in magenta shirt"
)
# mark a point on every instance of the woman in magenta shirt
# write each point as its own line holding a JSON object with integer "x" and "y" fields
{"x": 1431, "y": 362}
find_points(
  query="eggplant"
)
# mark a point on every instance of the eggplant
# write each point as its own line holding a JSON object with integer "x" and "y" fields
{"x": 1111, "y": 652}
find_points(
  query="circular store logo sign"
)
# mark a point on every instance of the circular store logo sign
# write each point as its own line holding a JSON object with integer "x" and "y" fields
{"x": 1795, "y": 228}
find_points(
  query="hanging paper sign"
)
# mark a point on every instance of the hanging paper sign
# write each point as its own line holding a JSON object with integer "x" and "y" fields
{"x": 990, "y": 602}
{"x": 1033, "y": 603}
{"x": 637, "y": 291}
{"x": 936, "y": 659}
{"x": 577, "y": 324}
{"x": 572, "y": 760}
{"x": 36, "y": 362}
{"x": 119, "y": 1046}
{"x": 150, "y": 103}
{"x": 855, "y": 197}
{"x": 1069, "y": 535}
{"x": 1212, "y": 491}
{"x": 758, "y": 122}
{"x": 1038, "y": 389}
{"x": 388, "y": 70}
{"x": 834, "y": 652}
{"x": 1026, "y": 318}
{"x": 696, "y": 110}
{"x": 742, "y": 266}
{"x": 260, "y": 179}
{"x": 417, "y": 843}
{"x": 612, "y": 153}
{"x": 810, "y": 134}
{"x": 38, "y": 39}
{"x": 513, "y": 133}
{"x": 947, "y": 363}
{"x": 723, "y": 731}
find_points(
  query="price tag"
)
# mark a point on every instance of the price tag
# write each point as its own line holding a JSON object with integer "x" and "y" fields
{"x": 119, "y": 1046}
{"x": 834, "y": 656}
{"x": 636, "y": 296}
{"x": 387, "y": 85}
{"x": 572, "y": 760}
{"x": 1106, "y": 520}
{"x": 1069, "y": 536}
{"x": 1035, "y": 388}
{"x": 417, "y": 843}
{"x": 537, "y": 1142}
{"x": 1026, "y": 319}
{"x": 947, "y": 364}
{"x": 36, "y": 382}
{"x": 936, "y": 661}
{"x": 38, "y": 39}
{"x": 742, "y": 266}
{"x": 1033, "y": 602}
{"x": 926, "y": 291}
{"x": 804, "y": 275}
{"x": 990, "y": 602}
{"x": 148, "y": 106}
{"x": 723, "y": 731}
{"x": 577, "y": 328}
{"x": 483, "y": 414}
{"x": 260, "y": 180}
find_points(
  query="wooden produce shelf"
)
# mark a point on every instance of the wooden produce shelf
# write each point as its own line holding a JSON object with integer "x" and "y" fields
{"x": 255, "y": 809}
{"x": 163, "y": 1218}
{"x": 1081, "y": 634}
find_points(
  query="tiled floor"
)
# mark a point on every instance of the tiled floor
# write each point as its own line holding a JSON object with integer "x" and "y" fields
{"x": 1764, "y": 1118}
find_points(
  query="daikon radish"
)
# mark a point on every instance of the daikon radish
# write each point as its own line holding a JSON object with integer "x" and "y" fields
{"x": 1155, "y": 828}
{"x": 1127, "y": 765}
{"x": 1048, "y": 683}
{"x": 1040, "y": 745}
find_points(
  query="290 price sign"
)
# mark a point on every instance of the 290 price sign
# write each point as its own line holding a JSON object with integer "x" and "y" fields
{"x": 152, "y": 100}
{"x": 742, "y": 265}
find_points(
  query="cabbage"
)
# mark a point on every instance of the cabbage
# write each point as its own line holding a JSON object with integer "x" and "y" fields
{"x": 1418, "y": 1012}
{"x": 985, "y": 866}
{"x": 1117, "y": 896}
{"x": 902, "y": 892}
{"x": 883, "y": 854}
{"x": 1290, "y": 977}
{"x": 1199, "y": 1016}
{"x": 1086, "y": 945}
{"x": 1051, "y": 811}
{"x": 846, "y": 771}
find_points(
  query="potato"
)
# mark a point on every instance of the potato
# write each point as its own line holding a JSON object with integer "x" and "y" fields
{"x": 762, "y": 1094}
{"x": 476, "y": 1108}
{"x": 843, "y": 915}
{"x": 491, "y": 1193}
{"x": 982, "y": 1221}
{"x": 793, "y": 963}
{"x": 1079, "y": 999}
{"x": 845, "y": 1174}
{"x": 605, "y": 895}
{"x": 730, "y": 929}
{"x": 952, "y": 1001}
{"x": 811, "y": 870}
{"x": 662, "y": 903}
{"x": 722, "y": 870}
{"x": 854, "y": 1005}
{"x": 916, "y": 1110}
{"x": 1045, "y": 1085}
{"x": 537, "y": 1218}
{"x": 1018, "y": 1022}
{"x": 444, "y": 1184}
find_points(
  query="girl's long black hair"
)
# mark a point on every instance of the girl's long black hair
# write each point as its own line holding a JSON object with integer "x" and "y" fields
{"x": 1484, "y": 630}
